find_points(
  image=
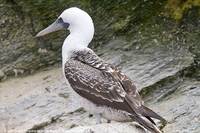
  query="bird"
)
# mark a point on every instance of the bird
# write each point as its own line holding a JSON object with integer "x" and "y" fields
{"x": 102, "y": 89}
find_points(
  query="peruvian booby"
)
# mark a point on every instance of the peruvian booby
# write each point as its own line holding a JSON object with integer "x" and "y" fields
{"x": 103, "y": 89}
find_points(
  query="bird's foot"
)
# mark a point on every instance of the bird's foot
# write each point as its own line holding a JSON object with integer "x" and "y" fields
{"x": 108, "y": 121}
{"x": 162, "y": 125}
{"x": 88, "y": 131}
{"x": 90, "y": 115}
{"x": 98, "y": 118}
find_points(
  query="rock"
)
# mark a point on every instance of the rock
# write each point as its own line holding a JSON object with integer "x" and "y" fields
{"x": 147, "y": 66}
{"x": 109, "y": 128}
{"x": 26, "y": 104}
{"x": 181, "y": 107}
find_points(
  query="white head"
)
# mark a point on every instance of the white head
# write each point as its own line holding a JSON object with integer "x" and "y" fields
{"x": 80, "y": 23}
{"x": 81, "y": 28}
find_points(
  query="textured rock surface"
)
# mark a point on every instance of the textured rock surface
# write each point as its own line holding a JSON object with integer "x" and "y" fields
{"x": 20, "y": 52}
{"x": 141, "y": 23}
{"x": 147, "y": 66}
{"x": 181, "y": 107}
{"x": 108, "y": 128}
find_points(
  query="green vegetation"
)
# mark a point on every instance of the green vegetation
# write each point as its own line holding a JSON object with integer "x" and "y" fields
{"x": 178, "y": 8}
{"x": 144, "y": 24}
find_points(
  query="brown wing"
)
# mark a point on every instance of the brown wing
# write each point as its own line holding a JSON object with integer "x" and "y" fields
{"x": 94, "y": 85}
{"x": 123, "y": 85}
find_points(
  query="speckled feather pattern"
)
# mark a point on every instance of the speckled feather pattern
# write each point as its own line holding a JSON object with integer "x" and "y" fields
{"x": 99, "y": 83}
{"x": 105, "y": 90}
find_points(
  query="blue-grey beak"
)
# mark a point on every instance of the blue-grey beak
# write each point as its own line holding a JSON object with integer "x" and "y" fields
{"x": 59, "y": 24}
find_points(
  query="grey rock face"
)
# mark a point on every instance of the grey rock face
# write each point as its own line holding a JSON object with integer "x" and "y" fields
{"x": 180, "y": 107}
{"x": 21, "y": 53}
{"x": 147, "y": 66}
{"x": 109, "y": 128}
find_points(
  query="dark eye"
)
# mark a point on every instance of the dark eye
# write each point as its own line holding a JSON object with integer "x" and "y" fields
{"x": 60, "y": 20}
{"x": 64, "y": 24}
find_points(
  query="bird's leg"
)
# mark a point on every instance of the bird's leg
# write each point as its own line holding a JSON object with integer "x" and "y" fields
{"x": 88, "y": 131}
{"x": 163, "y": 124}
{"x": 90, "y": 115}
{"x": 98, "y": 118}
{"x": 108, "y": 121}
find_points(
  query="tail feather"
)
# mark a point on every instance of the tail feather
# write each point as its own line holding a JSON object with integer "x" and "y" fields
{"x": 149, "y": 113}
{"x": 149, "y": 118}
{"x": 145, "y": 123}
{"x": 144, "y": 116}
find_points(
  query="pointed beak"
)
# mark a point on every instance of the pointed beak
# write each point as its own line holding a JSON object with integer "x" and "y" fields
{"x": 57, "y": 25}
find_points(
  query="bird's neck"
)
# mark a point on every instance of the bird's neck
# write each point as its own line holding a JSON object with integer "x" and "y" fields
{"x": 79, "y": 38}
{"x": 74, "y": 42}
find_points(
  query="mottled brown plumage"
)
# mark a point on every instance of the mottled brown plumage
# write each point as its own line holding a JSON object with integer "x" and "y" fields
{"x": 105, "y": 85}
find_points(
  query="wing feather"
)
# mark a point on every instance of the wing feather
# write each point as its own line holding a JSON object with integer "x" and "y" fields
{"x": 85, "y": 78}
{"x": 124, "y": 85}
